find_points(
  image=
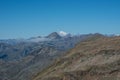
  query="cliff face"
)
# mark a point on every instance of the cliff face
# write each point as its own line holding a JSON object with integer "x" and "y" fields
{"x": 93, "y": 59}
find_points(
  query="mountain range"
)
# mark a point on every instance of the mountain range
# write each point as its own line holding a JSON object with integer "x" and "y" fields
{"x": 55, "y": 56}
{"x": 97, "y": 58}
{"x": 33, "y": 54}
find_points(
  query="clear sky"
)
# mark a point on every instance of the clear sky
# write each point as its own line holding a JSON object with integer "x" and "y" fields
{"x": 28, "y": 18}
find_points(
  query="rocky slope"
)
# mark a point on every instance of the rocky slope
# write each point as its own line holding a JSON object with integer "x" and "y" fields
{"x": 97, "y": 58}
{"x": 20, "y": 60}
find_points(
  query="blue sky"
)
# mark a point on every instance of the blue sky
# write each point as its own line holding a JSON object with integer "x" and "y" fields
{"x": 28, "y": 18}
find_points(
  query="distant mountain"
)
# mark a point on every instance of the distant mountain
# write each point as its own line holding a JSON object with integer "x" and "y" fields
{"x": 12, "y": 41}
{"x": 54, "y": 35}
{"x": 38, "y": 39}
{"x": 30, "y": 56}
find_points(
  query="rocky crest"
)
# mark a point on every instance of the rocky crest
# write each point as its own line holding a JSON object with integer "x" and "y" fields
{"x": 93, "y": 59}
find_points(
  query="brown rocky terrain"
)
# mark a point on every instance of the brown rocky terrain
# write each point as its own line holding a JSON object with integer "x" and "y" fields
{"x": 21, "y": 60}
{"x": 93, "y": 59}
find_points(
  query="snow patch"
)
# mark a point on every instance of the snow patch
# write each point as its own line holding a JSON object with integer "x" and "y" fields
{"x": 62, "y": 33}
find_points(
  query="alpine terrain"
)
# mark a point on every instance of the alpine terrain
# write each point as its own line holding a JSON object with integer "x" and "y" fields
{"x": 97, "y": 58}
{"x": 21, "y": 59}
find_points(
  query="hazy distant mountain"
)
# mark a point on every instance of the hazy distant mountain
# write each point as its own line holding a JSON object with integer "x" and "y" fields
{"x": 15, "y": 49}
{"x": 54, "y": 35}
{"x": 28, "y": 57}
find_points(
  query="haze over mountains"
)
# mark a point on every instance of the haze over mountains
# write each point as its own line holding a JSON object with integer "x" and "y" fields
{"x": 17, "y": 48}
{"x": 26, "y": 59}
{"x": 34, "y": 46}
{"x": 38, "y": 38}
{"x": 34, "y": 54}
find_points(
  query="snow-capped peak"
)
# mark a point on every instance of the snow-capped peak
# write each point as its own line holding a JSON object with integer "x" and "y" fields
{"x": 62, "y": 33}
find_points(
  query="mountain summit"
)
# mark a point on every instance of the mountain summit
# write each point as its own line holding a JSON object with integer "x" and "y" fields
{"x": 54, "y": 35}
